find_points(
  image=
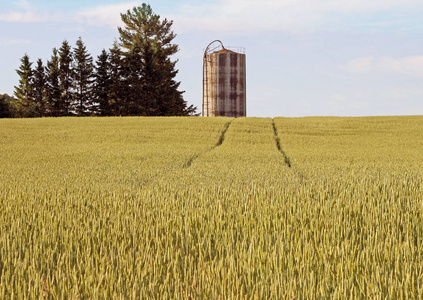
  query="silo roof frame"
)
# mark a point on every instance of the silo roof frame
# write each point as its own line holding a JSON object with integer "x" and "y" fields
{"x": 217, "y": 45}
{"x": 212, "y": 48}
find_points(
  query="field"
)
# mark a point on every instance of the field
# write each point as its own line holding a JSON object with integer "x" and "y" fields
{"x": 211, "y": 208}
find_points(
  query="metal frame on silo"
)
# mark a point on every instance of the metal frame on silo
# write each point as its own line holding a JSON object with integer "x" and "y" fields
{"x": 224, "y": 81}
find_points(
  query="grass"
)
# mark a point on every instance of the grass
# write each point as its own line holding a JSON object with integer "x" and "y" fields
{"x": 211, "y": 208}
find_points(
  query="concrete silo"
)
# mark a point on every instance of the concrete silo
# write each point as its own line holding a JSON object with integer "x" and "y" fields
{"x": 224, "y": 81}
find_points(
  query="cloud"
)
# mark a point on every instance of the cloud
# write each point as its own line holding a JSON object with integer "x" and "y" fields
{"x": 362, "y": 5}
{"x": 17, "y": 42}
{"x": 228, "y": 16}
{"x": 284, "y": 15}
{"x": 23, "y": 4}
{"x": 27, "y": 17}
{"x": 236, "y": 16}
{"x": 105, "y": 14}
{"x": 97, "y": 16}
{"x": 409, "y": 66}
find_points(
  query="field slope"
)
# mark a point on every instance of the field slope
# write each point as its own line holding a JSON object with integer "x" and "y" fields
{"x": 209, "y": 208}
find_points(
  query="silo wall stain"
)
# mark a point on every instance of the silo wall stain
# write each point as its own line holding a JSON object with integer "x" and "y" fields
{"x": 224, "y": 84}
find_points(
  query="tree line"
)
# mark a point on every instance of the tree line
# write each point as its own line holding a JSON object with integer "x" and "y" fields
{"x": 136, "y": 77}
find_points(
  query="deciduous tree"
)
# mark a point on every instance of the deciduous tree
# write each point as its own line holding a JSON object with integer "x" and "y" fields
{"x": 5, "y": 106}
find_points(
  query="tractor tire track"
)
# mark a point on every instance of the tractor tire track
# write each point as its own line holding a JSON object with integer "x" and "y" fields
{"x": 219, "y": 142}
{"x": 287, "y": 161}
{"x": 278, "y": 144}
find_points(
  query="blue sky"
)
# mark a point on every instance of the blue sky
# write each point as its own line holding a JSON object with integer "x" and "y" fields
{"x": 304, "y": 57}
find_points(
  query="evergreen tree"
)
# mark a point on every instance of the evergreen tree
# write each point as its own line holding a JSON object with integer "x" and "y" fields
{"x": 150, "y": 78}
{"x": 53, "y": 85}
{"x": 147, "y": 45}
{"x": 83, "y": 75}
{"x": 39, "y": 88}
{"x": 102, "y": 84}
{"x": 135, "y": 99}
{"x": 118, "y": 94}
{"x": 137, "y": 76}
{"x": 24, "y": 91}
{"x": 66, "y": 78}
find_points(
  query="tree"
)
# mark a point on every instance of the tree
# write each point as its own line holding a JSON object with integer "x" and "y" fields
{"x": 83, "y": 79}
{"x": 53, "y": 85}
{"x": 66, "y": 78}
{"x": 118, "y": 93}
{"x": 5, "y": 106}
{"x": 147, "y": 46}
{"x": 39, "y": 88}
{"x": 135, "y": 97}
{"x": 23, "y": 91}
{"x": 101, "y": 89}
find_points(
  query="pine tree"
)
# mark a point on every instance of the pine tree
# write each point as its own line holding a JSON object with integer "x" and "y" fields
{"x": 102, "y": 84}
{"x": 83, "y": 75}
{"x": 147, "y": 45}
{"x": 66, "y": 78}
{"x": 118, "y": 94}
{"x": 53, "y": 85}
{"x": 135, "y": 100}
{"x": 24, "y": 91}
{"x": 150, "y": 82}
{"x": 39, "y": 88}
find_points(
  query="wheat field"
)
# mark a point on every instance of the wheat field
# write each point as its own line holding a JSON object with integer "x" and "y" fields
{"x": 211, "y": 208}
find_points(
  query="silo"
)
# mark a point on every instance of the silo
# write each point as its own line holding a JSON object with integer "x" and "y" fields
{"x": 224, "y": 81}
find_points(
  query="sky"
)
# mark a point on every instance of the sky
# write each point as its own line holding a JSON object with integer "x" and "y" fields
{"x": 304, "y": 57}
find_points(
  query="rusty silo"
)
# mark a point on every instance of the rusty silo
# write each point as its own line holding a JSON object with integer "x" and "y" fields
{"x": 224, "y": 81}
